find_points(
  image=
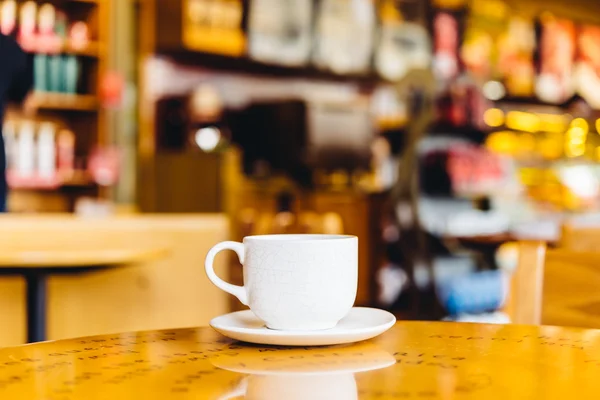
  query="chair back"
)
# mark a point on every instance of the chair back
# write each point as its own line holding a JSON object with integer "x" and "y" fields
{"x": 524, "y": 302}
{"x": 571, "y": 294}
{"x": 580, "y": 237}
{"x": 558, "y": 287}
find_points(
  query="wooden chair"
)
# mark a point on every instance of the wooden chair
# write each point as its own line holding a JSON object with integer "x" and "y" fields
{"x": 579, "y": 236}
{"x": 524, "y": 302}
{"x": 555, "y": 287}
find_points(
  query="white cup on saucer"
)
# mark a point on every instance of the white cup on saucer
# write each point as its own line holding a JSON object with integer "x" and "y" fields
{"x": 294, "y": 282}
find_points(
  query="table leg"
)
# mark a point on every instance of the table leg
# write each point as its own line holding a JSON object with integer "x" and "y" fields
{"x": 36, "y": 307}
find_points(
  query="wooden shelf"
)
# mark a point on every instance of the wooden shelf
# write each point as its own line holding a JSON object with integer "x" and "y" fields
{"x": 82, "y": 113}
{"x": 92, "y": 50}
{"x": 80, "y": 179}
{"x": 67, "y": 102}
{"x": 246, "y": 65}
{"x": 84, "y": 1}
{"x": 466, "y": 132}
{"x": 534, "y": 102}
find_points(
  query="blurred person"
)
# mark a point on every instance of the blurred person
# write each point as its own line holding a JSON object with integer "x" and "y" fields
{"x": 16, "y": 80}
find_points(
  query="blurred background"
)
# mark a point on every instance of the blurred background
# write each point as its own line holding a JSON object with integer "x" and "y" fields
{"x": 440, "y": 132}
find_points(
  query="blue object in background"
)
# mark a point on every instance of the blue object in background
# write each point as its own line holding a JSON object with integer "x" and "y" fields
{"x": 479, "y": 292}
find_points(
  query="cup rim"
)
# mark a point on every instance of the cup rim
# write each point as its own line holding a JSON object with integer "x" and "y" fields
{"x": 299, "y": 237}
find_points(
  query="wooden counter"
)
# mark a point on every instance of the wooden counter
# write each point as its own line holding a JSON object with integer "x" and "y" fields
{"x": 168, "y": 291}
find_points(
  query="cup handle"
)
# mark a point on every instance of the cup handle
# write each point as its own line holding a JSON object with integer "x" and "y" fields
{"x": 237, "y": 291}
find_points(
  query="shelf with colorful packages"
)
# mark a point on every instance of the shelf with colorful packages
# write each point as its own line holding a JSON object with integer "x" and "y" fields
{"x": 51, "y": 136}
{"x": 587, "y": 66}
{"x": 538, "y": 77}
{"x": 556, "y": 153}
{"x": 280, "y": 32}
{"x": 344, "y": 36}
{"x": 555, "y": 83}
{"x": 404, "y": 42}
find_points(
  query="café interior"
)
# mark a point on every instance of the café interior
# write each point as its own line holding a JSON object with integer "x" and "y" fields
{"x": 456, "y": 139}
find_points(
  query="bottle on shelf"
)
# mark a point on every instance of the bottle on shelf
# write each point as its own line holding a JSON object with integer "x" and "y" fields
{"x": 8, "y": 17}
{"x": 45, "y": 31}
{"x": 38, "y": 154}
{"x": 40, "y": 71}
{"x": 25, "y": 155}
{"x": 66, "y": 153}
{"x": 47, "y": 41}
{"x": 10, "y": 136}
{"x": 71, "y": 74}
{"x": 46, "y": 151}
{"x": 79, "y": 35}
{"x": 27, "y": 25}
{"x": 56, "y": 73}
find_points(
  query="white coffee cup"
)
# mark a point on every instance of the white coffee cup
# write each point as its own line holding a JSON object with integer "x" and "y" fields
{"x": 294, "y": 282}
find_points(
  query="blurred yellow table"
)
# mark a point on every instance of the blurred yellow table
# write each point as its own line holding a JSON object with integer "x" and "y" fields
{"x": 414, "y": 360}
{"x": 35, "y": 264}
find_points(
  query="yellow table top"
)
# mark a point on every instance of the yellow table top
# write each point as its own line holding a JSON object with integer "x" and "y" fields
{"x": 75, "y": 257}
{"x": 414, "y": 360}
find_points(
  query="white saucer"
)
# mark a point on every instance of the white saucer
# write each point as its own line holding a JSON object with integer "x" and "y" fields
{"x": 360, "y": 324}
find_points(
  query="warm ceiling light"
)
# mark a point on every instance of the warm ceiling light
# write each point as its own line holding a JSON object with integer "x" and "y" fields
{"x": 580, "y": 123}
{"x": 576, "y": 136}
{"x": 493, "y": 90}
{"x": 493, "y": 117}
{"x": 575, "y": 149}
{"x": 554, "y": 123}
{"x": 523, "y": 121}
{"x": 502, "y": 142}
{"x": 208, "y": 138}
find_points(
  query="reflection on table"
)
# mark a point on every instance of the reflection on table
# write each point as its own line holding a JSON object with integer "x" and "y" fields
{"x": 412, "y": 360}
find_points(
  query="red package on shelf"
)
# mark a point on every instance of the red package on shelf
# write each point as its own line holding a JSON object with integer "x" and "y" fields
{"x": 446, "y": 42}
{"x": 587, "y": 70}
{"x": 555, "y": 83}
